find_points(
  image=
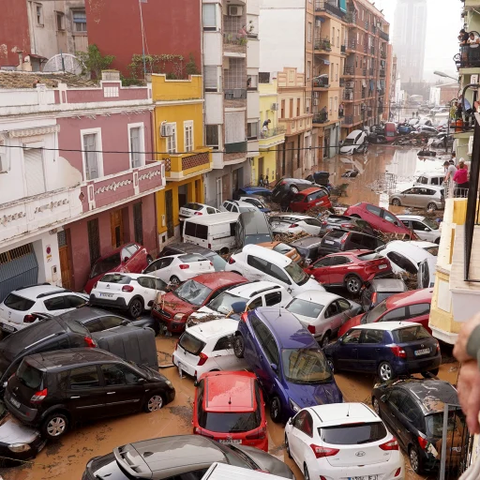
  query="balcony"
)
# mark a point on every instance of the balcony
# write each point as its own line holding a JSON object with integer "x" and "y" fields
{"x": 351, "y": 18}
{"x": 383, "y": 73}
{"x": 271, "y": 138}
{"x": 371, "y": 72}
{"x": 348, "y": 95}
{"x": 236, "y": 147}
{"x": 351, "y": 120}
{"x": 296, "y": 125}
{"x": 467, "y": 58}
{"x": 321, "y": 82}
{"x": 372, "y": 50}
{"x": 349, "y": 71}
{"x": 384, "y": 36}
{"x": 364, "y": 72}
{"x": 180, "y": 167}
{"x": 323, "y": 44}
{"x": 351, "y": 46}
{"x": 235, "y": 97}
{"x": 326, "y": 6}
{"x": 234, "y": 45}
{"x": 320, "y": 118}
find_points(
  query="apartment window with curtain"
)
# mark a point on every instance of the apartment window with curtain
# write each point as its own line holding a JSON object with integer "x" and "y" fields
{"x": 172, "y": 140}
{"x": 252, "y": 130}
{"x": 298, "y": 107}
{"x": 282, "y": 109}
{"x": 188, "y": 135}
{"x": 79, "y": 21}
{"x": 210, "y": 77}
{"x": 136, "y": 146}
{"x": 212, "y": 137}
{"x": 92, "y": 157}
{"x": 290, "y": 113}
{"x": 210, "y": 18}
{"x": 333, "y": 36}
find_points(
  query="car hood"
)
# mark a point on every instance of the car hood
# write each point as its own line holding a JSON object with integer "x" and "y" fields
{"x": 316, "y": 394}
{"x": 348, "y": 148}
{"x": 172, "y": 304}
{"x": 353, "y": 322}
{"x": 267, "y": 462}
{"x": 311, "y": 285}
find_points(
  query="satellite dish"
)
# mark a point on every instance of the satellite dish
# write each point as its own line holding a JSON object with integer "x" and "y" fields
{"x": 64, "y": 62}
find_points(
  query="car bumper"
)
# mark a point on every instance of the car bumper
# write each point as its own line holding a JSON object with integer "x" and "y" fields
{"x": 418, "y": 366}
{"x": 118, "y": 302}
{"x": 172, "y": 326}
{"x": 185, "y": 366}
{"x": 11, "y": 327}
{"x": 28, "y": 416}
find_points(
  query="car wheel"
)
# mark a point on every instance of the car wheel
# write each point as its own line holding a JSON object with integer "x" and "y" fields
{"x": 175, "y": 281}
{"x": 430, "y": 373}
{"x": 275, "y": 410}
{"x": 396, "y": 202}
{"x": 431, "y": 206}
{"x": 287, "y": 447}
{"x": 239, "y": 346}
{"x": 415, "y": 459}
{"x": 376, "y": 406}
{"x": 385, "y": 371}
{"x": 153, "y": 403}
{"x": 149, "y": 259}
{"x": 135, "y": 308}
{"x": 325, "y": 339}
{"x": 306, "y": 475}
{"x": 55, "y": 426}
{"x": 353, "y": 284}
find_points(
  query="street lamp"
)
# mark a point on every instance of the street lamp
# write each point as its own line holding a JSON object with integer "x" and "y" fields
{"x": 444, "y": 75}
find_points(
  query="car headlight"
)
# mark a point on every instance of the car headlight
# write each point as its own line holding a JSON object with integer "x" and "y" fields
{"x": 178, "y": 316}
{"x": 294, "y": 406}
{"x": 169, "y": 383}
{"x": 19, "y": 447}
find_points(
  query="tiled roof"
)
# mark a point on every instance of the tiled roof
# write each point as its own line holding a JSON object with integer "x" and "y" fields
{"x": 14, "y": 80}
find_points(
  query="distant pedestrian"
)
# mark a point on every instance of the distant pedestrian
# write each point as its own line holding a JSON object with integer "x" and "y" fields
{"x": 463, "y": 37}
{"x": 260, "y": 180}
{"x": 461, "y": 179}
{"x": 267, "y": 183}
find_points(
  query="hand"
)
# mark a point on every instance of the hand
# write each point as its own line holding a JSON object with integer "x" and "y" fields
{"x": 468, "y": 387}
{"x": 460, "y": 350}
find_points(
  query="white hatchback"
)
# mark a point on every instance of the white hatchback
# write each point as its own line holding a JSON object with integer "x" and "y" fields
{"x": 194, "y": 208}
{"x": 207, "y": 347}
{"x": 342, "y": 441}
{"x": 258, "y": 263}
{"x": 295, "y": 224}
{"x": 176, "y": 269}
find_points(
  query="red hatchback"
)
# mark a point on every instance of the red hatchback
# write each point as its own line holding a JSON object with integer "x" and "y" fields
{"x": 413, "y": 306}
{"x": 177, "y": 306}
{"x": 349, "y": 269}
{"x": 309, "y": 198}
{"x": 379, "y": 218}
{"x": 229, "y": 408}
{"x": 131, "y": 257}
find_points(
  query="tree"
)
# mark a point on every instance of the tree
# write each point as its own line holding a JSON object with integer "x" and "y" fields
{"x": 94, "y": 62}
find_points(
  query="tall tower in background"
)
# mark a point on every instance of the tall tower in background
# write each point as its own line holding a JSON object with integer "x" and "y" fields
{"x": 409, "y": 36}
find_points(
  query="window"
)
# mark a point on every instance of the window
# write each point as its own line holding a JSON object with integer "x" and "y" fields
{"x": 303, "y": 421}
{"x": 34, "y": 171}
{"x": 56, "y": 303}
{"x": 84, "y": 377}
{"x": 38, "y": 14}
{"x": 210, "y": 18}
{"x": 257, "y": 263}
{"x": 264, "y": 77}
{"x": 211, "y": 134}
{"x": 172, "y": 140}
{"x": 273, "y": 298}
{"x": 419, "y": 309}
{"x": 282, "y": 109}
{"x": 93, "y": 240}
{"x": 403, "y": 262}
{"x": 252, "y": 130}
{"x": 80, "y": 21}
{"x": 278, "y": 273}
{"x": 298, "y": 107}
{"x": 60, "y": 21}
{"x": 72, "y": 301}
{"x": 374, "y": 209}
{"x": 389, "y": 218}
{"x": 136, "y": 146}
{"x": 92, "y": 158}
{"x": 372, "y": 336}
{"x": 398, "y": 314}
{"x": 138, "y": 222}
{"x": 252, "y": 82}
{"x": 118, "y": 375}
{"x": 224, "y": 343}
{"x": 309, "y": 32}
{"x": 354, "y": 434}
{"x": 353, "y": 336}
{"x": 210, "y": 77}
{"x": 188, "y": 135}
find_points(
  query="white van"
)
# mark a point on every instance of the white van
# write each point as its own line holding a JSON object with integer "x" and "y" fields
{"x": 216, "y": 232}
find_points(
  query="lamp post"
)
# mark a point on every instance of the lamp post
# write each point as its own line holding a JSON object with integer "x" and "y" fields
{"x": 444, "y": 75}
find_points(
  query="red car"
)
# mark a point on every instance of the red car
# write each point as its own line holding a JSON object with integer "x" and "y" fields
{"x": 349, "y": 269}
{"x": 131, "y": 257}
{"x": 229, "y": 408}
{"x": 379, "y": 218}
{"x": 177, "y": 306}
{"x": 413, "y": 306}
{"x": 309, "y": 198}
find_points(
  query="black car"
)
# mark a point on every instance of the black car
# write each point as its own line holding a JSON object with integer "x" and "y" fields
{"x": 178, "y": 248}
{"x": 308, "y": 248}
{"x": 55, "y": 333}
{"x": 413, "y": 410}
{"x": 341, "y": 240}
{"x": 290, "y": 186}
{"x": 181, "y": 457}
{"x": 332, "y": 222}
{"x": 378, "y": 290}
{"x": 57, "y": 390}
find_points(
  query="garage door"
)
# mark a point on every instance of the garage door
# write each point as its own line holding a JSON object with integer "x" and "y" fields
{"x": 18, "y": 267}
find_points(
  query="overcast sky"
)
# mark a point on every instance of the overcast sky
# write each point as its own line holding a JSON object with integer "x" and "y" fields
{"x": 443, "y": 25}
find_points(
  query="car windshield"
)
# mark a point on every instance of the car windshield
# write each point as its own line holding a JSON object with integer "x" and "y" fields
{"x": 434, "y": 423}
{"x": 15, "y": 302}
{"x": 258, "y": 238}
{"x": 193, "y": 292}
{"x": 296, "y": 273}
{"x": 190, "y": 343}
{"x": 410, "y": 334}
{"x": 30, "y": 376}
{"x": 433, "y": 250}
{"x": 373, "y": 315}
{"x": 349, "y": 141}
{"x": 431, "y": 223}
{"x": 305, "y": 366}
{"x": 229, "y": 422}
{"x": 305, "y": 308}
{"x": 223, "y": 303}
{"x": 282, "y": 248}
{"x": 353, "y": 434}
{"x": 105, "y": 265}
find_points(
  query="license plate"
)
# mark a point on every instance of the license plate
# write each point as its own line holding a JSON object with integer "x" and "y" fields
{"x": 108, "y": 295}
{"x": 364, "y": 477}
{"x": 423, "y": 351}
{"x": 7, "y": 328}
{"x": 382, "y": 267}
{"x": 15, "y": 403}
{"x": 230, "y": 442}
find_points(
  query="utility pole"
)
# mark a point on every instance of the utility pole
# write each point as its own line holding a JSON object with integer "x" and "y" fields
{"x": 143, "y": 36}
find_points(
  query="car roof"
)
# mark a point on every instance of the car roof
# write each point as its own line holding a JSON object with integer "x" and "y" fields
{"x": 240, "y": 203}
{"x": 163, "y": 457}
{"x": 354, "y": 133}
{"x": 117, "y": 250}
{"x": 351, "y": 253}
{"x": 269, "y": 255}
{"x": 286, "y": 328}
{"x": 251, "y": 288}
{"x": 344, "y": 413}
{"x": 411, "y": 297}
{"x": 185, "y": 247}
{"x": 215, "y": 219}
{"x": 420, "y": 218}
{"x": 437, "y": 188}
{"x": 134, "y": 276}
{"x": 39, "y": 291}
{"x": 229, "y": 391}
{"x": 432, "y": 174}
{"x": 219, "y": 279}
{"x": 291, "y": 216}
{"x": 317, "y": 297}
{"x": 383, "y": 285}
{"x": 385, "y": 326}
{"x": 310, "y": 190}
{"x": 413, "y": 249}
{"x": 253, "y": 219}
{"x": 86, "y": 313}
{"x": 213, "y": 329}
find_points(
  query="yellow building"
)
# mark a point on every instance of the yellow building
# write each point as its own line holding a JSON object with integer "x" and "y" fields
{"x": 272, "y": 138}
{"x": 178, "y": 130}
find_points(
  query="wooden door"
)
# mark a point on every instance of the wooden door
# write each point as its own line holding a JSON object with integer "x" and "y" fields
{"x": 116, "y": 225}
{"x": 169, "y": 213}
{"x": 65, "y": 254}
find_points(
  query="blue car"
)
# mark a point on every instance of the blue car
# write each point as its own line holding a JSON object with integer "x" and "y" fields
{"x": 287, "y": 361}
{"x": 389, "y": 349}
{"x": 246, "y": 191}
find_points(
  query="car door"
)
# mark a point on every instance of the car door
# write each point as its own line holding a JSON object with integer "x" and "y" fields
{"x": 85, "y": 395}
{"x": 321, "y": 270}
{"x": 346, "y": 311}
{"x": 369, "y": 349}
{"x": 223, "y": 355}
{"x": 423, "y": 231}
{"x": 338, "y": 270}
{"x": 301, "y": 436}
{"x": 148, "y": 290}
{"x": 280, "y": 276}
{"x": 257, "y": 268}
{"x": 160, "y": 268}
{"x": 347, "y": 351}
{"x": 137, "y": 261}
{"x": 56, "y": 305}
{"x": 273, "y": 298}
{"x": 313, "y": 226}
{"x": 395, "y": 315}
{"x": 404, "y": 415}
{"x": 419, "y": 313}
{"x": 262, "y": 367}
{"x": 333, "y": 316}
{"x": 392, "y": 416}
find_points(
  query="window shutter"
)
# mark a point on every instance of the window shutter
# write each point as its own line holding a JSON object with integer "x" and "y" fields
{"x": 34, "y": 172}
{"x": 91, "y": 160}
{"x": 209, "y": 17}
{"x": 135, "y": 147}
{"x": 211, "y": 78}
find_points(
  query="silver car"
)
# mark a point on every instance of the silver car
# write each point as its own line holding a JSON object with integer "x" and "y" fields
{"x": 431, "y": 198}
{"x": 425, "y": 228}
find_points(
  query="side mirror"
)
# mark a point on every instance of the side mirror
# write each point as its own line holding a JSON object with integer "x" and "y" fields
{"x": 274, "y": 367}
{"x": 427, "y": 229}
{"x": 141, "y": 380}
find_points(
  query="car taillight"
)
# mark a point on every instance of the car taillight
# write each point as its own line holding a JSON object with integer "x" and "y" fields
{"x": 320, "y": 452}
{"x": 39, "y": 397}
{"x": 198, "y": 213}
{"x": 29, "y": 318}
{"x": 438, "y": 348}
{"x": 244, "y": 316}
{"x": 374, "y": 297}
{"x": 184, "y": 266}
{"x": 347, "y": 225}
{"x": 127, "y": 288}
{"x": 423, "y": 442}
{"x": 398, "y": 351}
{"x": 324, "y": 223}
{"x": 344, "y": 238}
{"x": 90, "y": 342}
{"x": 203, "y": 433}
{"x": 257, "y": 434}
{"x": 398, "y": 472}
{"x": 293, "y": 225}
{"x": 203, "y": 359}
{"x": 391, "y": 445}
{"x": 231, "y": 261}
{"x": 211, "y": 264}
{"x": 311, "y": 329}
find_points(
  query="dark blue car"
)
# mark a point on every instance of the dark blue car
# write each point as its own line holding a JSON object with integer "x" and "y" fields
{"x": 246, "y": 191}
{"x": 287, "y": 361}
{"x": 389, "y": 349}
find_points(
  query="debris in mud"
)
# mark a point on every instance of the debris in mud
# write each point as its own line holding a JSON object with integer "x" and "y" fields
{"x": 288, "y": 238}
{"x": 185, "y": 413}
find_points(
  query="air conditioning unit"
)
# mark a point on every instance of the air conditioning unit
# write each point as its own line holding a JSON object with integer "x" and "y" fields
{"x": 470, "y": 145}
{"x": 166, "y": 130}
{"x": 274, "y": 107}
{"x": 235, "y": 10}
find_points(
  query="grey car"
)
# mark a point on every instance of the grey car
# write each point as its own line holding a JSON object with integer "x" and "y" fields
{"x": 424, "y": 227}
{"x": 182, "y": 457}
{"x": 431, "y": 198}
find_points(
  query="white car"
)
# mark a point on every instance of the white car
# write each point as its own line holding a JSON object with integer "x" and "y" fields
{"x": 341, "y": 441}
{"x": 239, "y": 298}
{"x": 194, "y": 208}
{"x": 256, "y": 202}
{"x": 258, "y": 263}
{"x": 405, "y": 256}
{"x": 207, "y": 347}
{"x": 425, "y": 228}
{"x": 295, "y": 224}
{"x": 237, "y": 206}
{"x": 356, "y": 142}
{"x": 133, "y": 292}
{"x": 18, "y": 309}
{"x": 176, "y": 269}
{"x": 322, "y": 313}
